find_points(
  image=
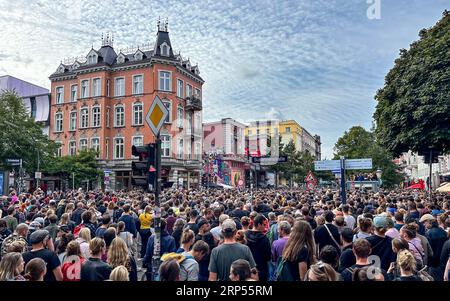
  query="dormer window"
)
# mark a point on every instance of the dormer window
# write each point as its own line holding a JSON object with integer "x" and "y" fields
{"x": 165, "y": 49}
{"x": 188, "y": 65}
{"x": 75, "y": 65}
{"x": 120, "y": 58}
{"x": 138, "y": 55}
{"x": 61, "y": 69}
{"x": 92, "y": 57}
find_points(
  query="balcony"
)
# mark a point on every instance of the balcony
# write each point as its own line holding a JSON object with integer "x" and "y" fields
{"x": 193, "y": 103}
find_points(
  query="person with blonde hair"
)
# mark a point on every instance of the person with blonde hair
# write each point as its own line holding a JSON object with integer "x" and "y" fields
{"x": 118, "y": 255}
{"x": 84, "y": 237}
{"x": 120, "y": 273}
{"x": 11, "y": 267}
{"x": 95, "y": 269}
{"x": 407, "y": 264}
{"x": 186, "y": 241}
{"x": 321, "y": 272}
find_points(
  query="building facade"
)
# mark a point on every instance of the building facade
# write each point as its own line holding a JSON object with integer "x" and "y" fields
{"x": 101, "y": 101}
{"x": 224, "y": 159}
{"x": 35, "y": 98}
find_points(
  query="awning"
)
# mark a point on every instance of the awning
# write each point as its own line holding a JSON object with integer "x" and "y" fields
{"x": 444, "y": 188}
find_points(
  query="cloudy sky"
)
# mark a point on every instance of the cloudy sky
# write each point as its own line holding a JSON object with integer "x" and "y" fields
{"x": 319, "y": 62}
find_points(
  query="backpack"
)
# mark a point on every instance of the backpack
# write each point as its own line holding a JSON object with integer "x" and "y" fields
{"x": 424, "y": 275}
{"x": 77, "y": 230}
{"x": 283, "y": 272}
{"x": 180, "y": 258}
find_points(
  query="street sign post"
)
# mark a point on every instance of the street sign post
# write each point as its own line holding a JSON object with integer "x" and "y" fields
{"x": 155, "y": 119}
{"x": 311, "y": 181}
{"x": 269, "y": 160}
{"x": 338, "y": 167}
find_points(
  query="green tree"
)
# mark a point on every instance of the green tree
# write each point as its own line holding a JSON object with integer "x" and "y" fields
{"x": 83, "y": 166}
{"x": 414, "y": 105}
{"x": 20, "y": 136}
{"x": 360, "y": 143}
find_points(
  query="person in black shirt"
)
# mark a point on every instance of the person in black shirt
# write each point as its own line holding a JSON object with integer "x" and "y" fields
{"x": 298, "y": 252}
{"x": 193, "y": 214}
{"x": 95, "y": 269}
{"x": 380, "y": 243}
{"x": 239, "y": 212}
{"x": 206, "y": 236}
{"x": 259, "y": 246}
{"x": 42, "y": 247}
{"x": 328, "y": 234}
{"x": 361, "y": 249}
{"x": 347, "y": 258}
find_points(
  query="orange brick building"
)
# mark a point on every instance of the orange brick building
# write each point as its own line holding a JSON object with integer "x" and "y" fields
{"x": 101, "y": 101}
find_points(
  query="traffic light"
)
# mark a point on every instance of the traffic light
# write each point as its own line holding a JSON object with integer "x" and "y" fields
{"x": 434, "y": 156}
{"x": 144, "y": 171}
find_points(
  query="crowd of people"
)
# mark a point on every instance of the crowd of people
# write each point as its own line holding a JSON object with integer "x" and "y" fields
{"x": 226, "y": 235}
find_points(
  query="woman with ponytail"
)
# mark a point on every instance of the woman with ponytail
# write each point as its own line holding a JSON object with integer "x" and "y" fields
{"x": 35, "y": 270}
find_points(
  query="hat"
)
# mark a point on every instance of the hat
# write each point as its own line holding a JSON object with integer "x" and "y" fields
{"x": 202, "y": 222}
{"x": 380, "y": 222}
{"x": 34, "y": 225}
{"x": 38, "y": 236}
{"x": 40, "y": 220}
{"x": 229, "y": 225}
{"x": 426, "y": 217}
{"x": 391, "y": 210}
{"x": 436, "y": 212}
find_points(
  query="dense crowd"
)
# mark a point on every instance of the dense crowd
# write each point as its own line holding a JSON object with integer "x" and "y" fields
{"x": 222, "y": 235}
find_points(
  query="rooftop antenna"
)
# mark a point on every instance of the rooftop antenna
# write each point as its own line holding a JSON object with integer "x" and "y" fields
{"x": 159, "y": 23}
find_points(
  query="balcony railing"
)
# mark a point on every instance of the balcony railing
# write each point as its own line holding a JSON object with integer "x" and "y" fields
{"x": 193, "y": 103}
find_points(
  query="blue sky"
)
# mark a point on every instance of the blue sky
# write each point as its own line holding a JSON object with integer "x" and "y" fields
{"x": 319, "y": 62}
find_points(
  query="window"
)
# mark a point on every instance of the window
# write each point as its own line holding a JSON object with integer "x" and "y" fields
{"x": 84, "y": 118}
{"x": 119, "y": 87}
{"x": 59, "y": 149}
{"x": 166, "y": 145}
{"x": 96, "y": 87}
{"x": 33, "y": 107}
{"x": 164, "y": 81}
{"x": 249, "y": 132}
{"x": 72, "y": 148}
{"x": 137, "y": 141}
{"x": 92, "y": 59}
{"x": 107, "y": 117}
{"x": 73, "y": 93}
{"x": 119, "y": 118}
{"x": 180, "y": 148}
{"x": 180, "y": 88}
{"x": 118, "y": 148}
{"x": 107, "y": 148}
{"x": 137, "y": 114}
{"x": 168, "y": 105}
{"x": 288, "y": 129}
{"x": 96, "y": 116}
{"x": 188, "y": 123}
{"x": 58, "y": 122}
{"x": 180, "y": 117}
{"x": 138, "y": 84}
{"x": 108, "y": 83}
{"x": 188, "y": 150}
{"x": 95, "y": 145}
{"x": 84, "y": 88}
{"x": 188, "y": 90}
{"x": 73, "y": 121}
{"x": 198, "y": 93}
{"x": 83, "y": 144}
{"x": 197, "y": 151}
{"x": 165, "y": 49}
{"x": 59, "y": 95}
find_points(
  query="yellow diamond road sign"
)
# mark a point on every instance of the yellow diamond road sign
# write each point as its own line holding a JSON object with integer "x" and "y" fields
{"x": 156, "y": 115}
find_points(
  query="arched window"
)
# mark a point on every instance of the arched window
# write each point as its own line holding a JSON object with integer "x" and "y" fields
{"x": 96, "y": 116}
{"x": 84, "y": 118}
{"x": 137, "y": 113}
{"x": 119, "y": 116}
{"x": 58, "y": 122}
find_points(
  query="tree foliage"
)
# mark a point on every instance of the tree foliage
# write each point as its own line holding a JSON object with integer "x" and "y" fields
{"x": 359, "y": 143}
{"x": 83, "y": 166}
{"x": 20, "y": 136}
{"x": 413, "y": 110}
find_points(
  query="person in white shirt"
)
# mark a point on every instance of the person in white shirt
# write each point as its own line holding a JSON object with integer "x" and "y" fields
{"x": 348, "y": 218}
{"x": 216, "y": 231}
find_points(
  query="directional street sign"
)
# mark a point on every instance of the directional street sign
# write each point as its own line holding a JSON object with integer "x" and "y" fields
{"x": 327, "y": 165}
{"x": 358, "y": 163}
{"x": 13, "y": 162}
{"x": 269, "y": 160}
{"x": 335, "y": 165}
{"x": 38, "y": 175}
{"x": 156, "y": 115}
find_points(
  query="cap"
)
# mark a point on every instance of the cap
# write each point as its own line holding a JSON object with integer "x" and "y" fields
{"x": 40, "y": 220}
{"x": 38, "y": 236}
{"x": 435, "y": 212}
{"x": 426, "y": 217}
{"x": 380, "y": 222}
{"x": 228, "y": 225}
